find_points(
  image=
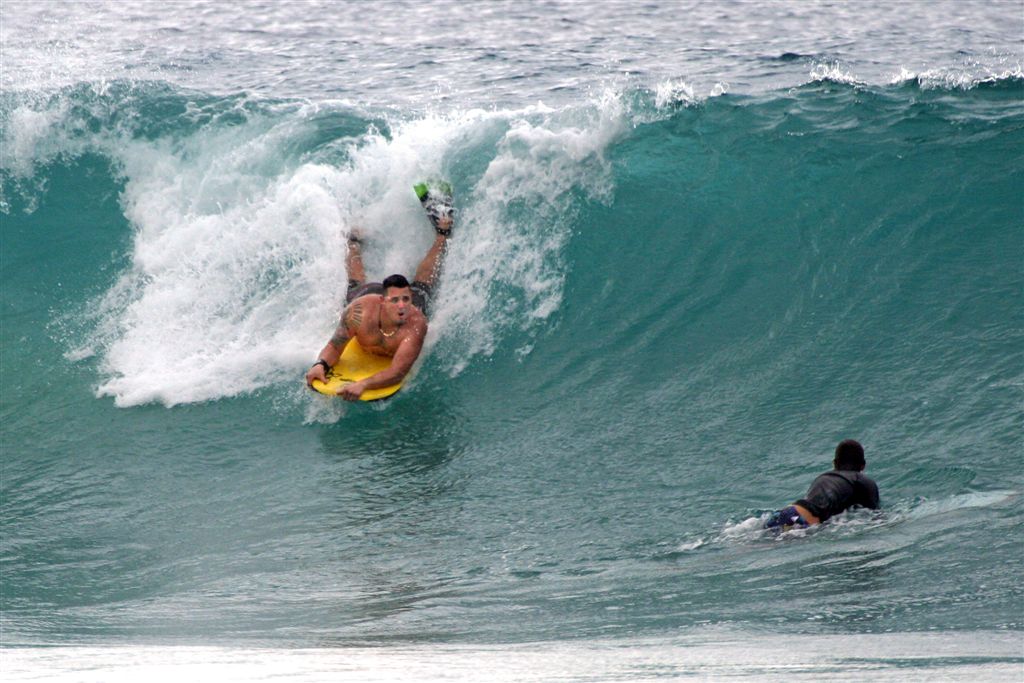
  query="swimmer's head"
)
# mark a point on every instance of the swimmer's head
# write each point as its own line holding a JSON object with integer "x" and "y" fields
{"x": 849, "y": 456}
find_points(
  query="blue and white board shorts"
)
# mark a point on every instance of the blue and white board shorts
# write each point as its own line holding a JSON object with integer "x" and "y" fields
{"x": 786, "y": 519}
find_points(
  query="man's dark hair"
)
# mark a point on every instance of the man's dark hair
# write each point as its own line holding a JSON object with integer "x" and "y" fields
{"x": 849, "y": 456}
{"x": 395, "y": 281}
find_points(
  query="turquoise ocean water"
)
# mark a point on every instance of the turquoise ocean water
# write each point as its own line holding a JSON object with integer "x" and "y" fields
{"x": 697, "y": 245}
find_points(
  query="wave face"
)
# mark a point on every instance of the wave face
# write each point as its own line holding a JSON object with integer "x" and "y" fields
{"x": 658, "y": 315}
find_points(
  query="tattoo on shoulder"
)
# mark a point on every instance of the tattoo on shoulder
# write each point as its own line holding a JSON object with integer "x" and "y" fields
{"x": 354, "y": 315}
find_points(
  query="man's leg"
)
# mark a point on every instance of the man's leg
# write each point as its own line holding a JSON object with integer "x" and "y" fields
{"x": 430, "y": 266}
{"x": 354, "y": 261}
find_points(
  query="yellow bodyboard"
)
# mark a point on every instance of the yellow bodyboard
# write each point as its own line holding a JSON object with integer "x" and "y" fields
{"x": 356, "y": 364}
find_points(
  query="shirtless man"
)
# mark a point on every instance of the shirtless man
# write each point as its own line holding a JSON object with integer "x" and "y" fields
{"x": 388, "y": 318}
{"x": 831, "y": 492}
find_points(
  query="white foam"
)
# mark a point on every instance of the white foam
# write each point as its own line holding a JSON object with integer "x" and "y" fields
{"x": 958, "y": 78}
{"x": 691, "y": 545}
{"x": 27, "y": 139}
{"x": 832, "y": 71}
{"x": 507, "y": 270}
{"x": 752, "y": 527}
{"x": 964, "y": 501}
{"x": 673, "y": 92}
{"x": 719, "y": 89}
{"x": 237, "y": 267}
{"x": 855, "y": 520}
{"x": 223, "y": 282}
{"x": 710, "y": 652}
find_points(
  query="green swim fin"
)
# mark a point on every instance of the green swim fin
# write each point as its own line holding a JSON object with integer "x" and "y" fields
{"x": 436, "y": 198}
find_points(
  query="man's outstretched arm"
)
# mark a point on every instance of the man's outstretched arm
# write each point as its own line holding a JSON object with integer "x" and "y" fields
{"x": 407, "y": 353}
{"x": 329, "y": 355}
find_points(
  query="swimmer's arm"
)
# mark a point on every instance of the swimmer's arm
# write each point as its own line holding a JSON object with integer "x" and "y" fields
{"x": 351, "y": 318}
{"x": 406, "y": 354}
{"x": 872, "y": 499}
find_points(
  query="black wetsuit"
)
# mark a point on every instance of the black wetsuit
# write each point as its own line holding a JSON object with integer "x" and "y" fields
{"x": 835, "y": 491}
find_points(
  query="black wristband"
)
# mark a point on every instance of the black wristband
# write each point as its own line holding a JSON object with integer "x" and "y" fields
{"x": 321, "y": 361}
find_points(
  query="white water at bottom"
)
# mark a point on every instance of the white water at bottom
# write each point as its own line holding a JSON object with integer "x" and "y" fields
{"x": 712, "y": 654}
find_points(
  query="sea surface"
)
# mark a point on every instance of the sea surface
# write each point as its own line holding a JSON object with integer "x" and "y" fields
{"x": 697, "y": 244}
